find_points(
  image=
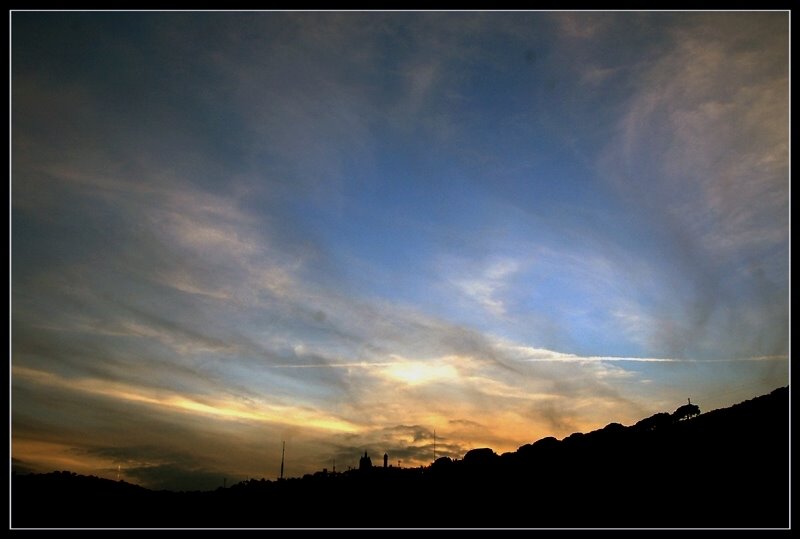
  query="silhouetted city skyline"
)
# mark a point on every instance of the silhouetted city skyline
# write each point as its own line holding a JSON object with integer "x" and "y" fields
{"x": 740, "y": 456}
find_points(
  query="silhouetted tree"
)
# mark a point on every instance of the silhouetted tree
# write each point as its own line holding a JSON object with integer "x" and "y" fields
{"x": 686, "y": 411}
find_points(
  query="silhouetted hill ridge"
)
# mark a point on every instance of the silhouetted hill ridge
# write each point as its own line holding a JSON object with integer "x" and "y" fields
{"x": 731, "y": 463}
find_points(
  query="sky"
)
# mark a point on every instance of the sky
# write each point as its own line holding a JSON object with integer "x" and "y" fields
{"x": 347, "y": 230}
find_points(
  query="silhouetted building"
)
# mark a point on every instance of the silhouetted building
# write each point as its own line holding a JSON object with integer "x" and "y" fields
{"x": 365, "y": 463}
{"x": 386, "y": 460}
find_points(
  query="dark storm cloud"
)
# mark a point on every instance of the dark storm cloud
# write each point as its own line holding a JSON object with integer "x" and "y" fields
{"x": 410, "y": 445}
{"x": 168, "y": 470}
{"x": 416, "y": 432}
{"x": 173, "y": 477}
{"x": 21, "y": 467}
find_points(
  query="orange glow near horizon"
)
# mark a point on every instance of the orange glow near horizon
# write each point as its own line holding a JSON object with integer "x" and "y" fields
{"x": 506, "y": 429}
{"x": 218, "y": 408}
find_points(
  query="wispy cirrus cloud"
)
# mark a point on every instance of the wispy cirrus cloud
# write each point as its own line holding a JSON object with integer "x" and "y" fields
{"x": 489, "y": 285}
{"x": 701, "y": 149}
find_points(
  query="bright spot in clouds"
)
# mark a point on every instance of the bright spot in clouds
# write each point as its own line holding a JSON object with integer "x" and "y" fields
{"x": 420, "y": 372}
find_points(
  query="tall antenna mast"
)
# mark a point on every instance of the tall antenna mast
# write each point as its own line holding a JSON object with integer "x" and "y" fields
{"x": 434, "y": 445}
{"x": 283, "y": 453}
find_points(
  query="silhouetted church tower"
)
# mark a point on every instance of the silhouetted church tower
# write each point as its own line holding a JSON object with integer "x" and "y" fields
{"x": 386, "y": 460}
{"x": 365, "y": 462}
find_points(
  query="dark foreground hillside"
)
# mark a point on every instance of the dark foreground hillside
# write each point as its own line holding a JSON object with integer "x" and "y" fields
{"x": 728, "y": 468}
